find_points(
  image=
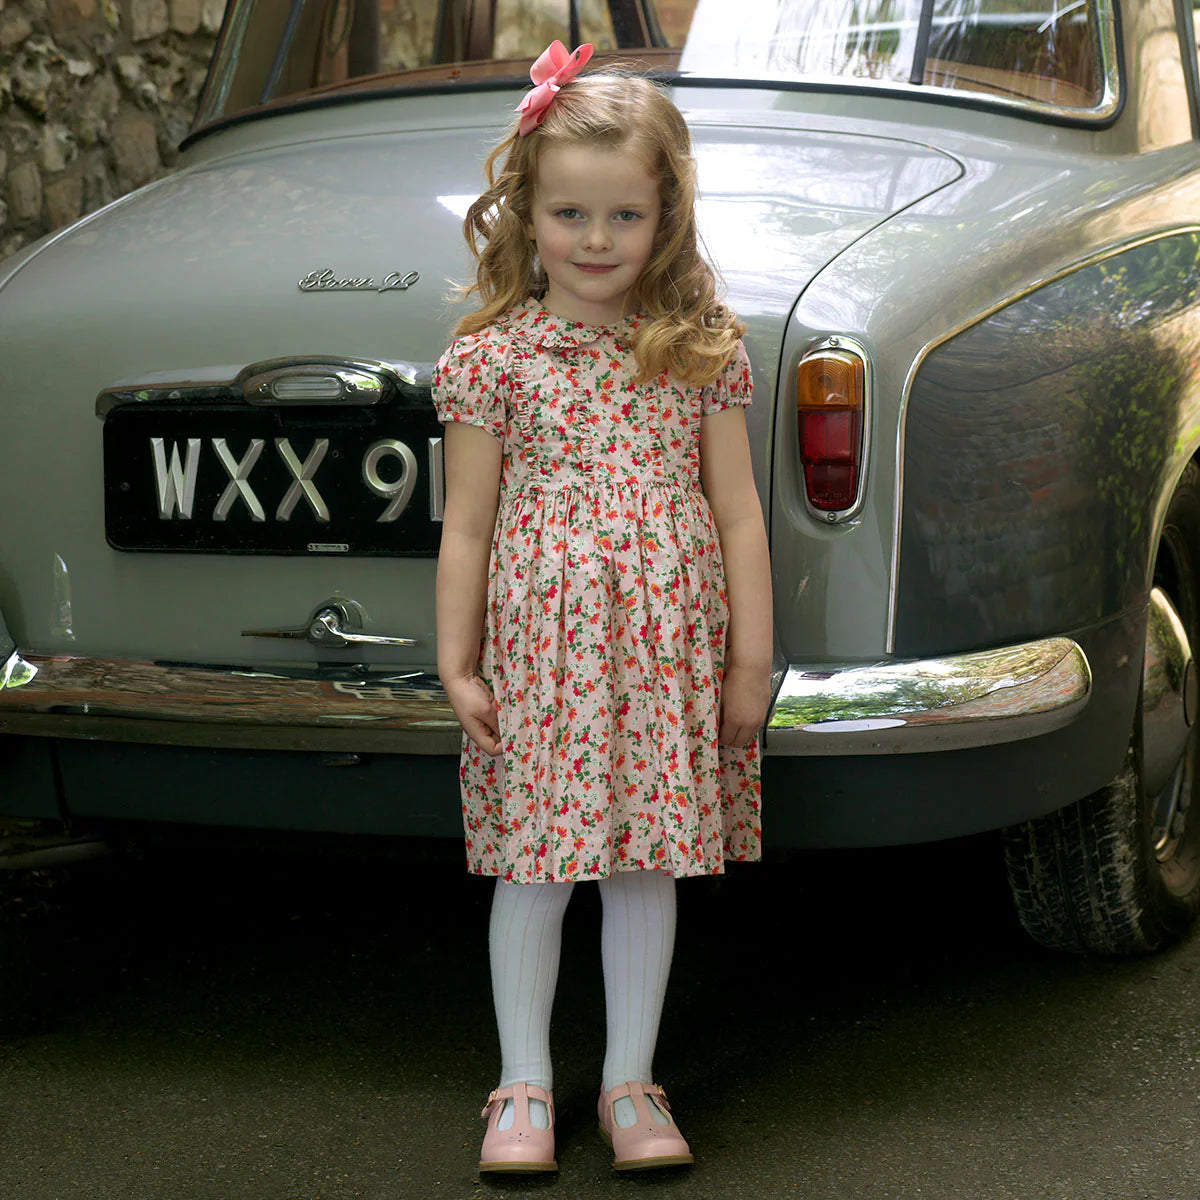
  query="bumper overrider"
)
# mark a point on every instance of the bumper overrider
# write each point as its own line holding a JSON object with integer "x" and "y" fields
{"x": 895, "y": 707}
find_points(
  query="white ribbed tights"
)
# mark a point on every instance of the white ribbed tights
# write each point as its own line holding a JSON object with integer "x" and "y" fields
{"x": 636, "y": 940}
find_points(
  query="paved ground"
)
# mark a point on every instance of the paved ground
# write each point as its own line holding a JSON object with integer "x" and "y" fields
{"x": 866, "y": 1026}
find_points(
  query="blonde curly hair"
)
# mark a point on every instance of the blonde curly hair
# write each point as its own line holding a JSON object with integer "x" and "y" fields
{"x": 688, "y": 332}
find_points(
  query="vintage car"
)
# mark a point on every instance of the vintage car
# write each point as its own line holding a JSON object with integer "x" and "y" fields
{"x": 963, "y": 236}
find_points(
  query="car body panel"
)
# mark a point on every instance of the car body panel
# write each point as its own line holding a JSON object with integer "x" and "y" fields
{"x": 1019, "y": 212}
{"x": 247, "y": 228}
{"x": 941, "y": 235}
{"x": 1079, "y": 401}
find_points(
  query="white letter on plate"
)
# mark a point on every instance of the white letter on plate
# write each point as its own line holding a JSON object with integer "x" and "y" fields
{"x": 399, "y": 492}
{"x": 437, "y": 479}
{"x": 176, "y": 483}
{"x": 303, "y": 479}
{"x": 237, "y": 485}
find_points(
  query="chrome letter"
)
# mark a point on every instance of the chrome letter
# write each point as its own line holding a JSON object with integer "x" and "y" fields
{"x": 302, "y": 476}
{"x": 399, "y": 492}
{"x": 437, "y": 479}
{"x": 176, "y": 483}
{"x": 238, "y": 473}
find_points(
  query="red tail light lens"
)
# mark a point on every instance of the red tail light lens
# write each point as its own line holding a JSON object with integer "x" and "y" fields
{"x": 830, "y": 403}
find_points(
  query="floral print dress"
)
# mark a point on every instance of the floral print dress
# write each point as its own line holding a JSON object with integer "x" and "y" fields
{"x": 604, "y": 637}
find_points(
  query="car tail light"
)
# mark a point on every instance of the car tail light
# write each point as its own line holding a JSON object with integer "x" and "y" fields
{"x": 830, "y": 410}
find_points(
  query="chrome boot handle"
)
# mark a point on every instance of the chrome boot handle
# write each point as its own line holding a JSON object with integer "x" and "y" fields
{"x": 326, "y": 629}
{"x": 334, "y": 625}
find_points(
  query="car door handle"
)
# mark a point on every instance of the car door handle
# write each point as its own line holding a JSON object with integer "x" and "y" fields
{"x": 335, "y": 626}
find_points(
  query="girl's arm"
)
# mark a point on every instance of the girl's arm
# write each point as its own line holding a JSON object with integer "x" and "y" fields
{"x": 473, "y": 458}
{"x": 728, "y": 481}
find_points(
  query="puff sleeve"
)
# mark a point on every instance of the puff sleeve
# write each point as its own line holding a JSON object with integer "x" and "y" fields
{"x": 470, "y": 382}
{"x": 732, "y": 386}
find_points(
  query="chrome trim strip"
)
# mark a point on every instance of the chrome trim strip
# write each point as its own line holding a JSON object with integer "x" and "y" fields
{"x": 196, "y": 704}
{"x": 1168, "y": 709}
{"x": 1110, "y": 58}
{"x": 1185, "y": 24}
{"x": 929, "y": 347}
{"x": 918, "y": 706}
{"x": 226, "y": 384}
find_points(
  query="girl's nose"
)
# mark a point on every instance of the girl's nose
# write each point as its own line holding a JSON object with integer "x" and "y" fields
{"x": 595, "y": 236}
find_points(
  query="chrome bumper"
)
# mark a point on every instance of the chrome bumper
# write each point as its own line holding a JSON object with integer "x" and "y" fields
{"x": 185, "y": 704}
{"x": 914, "y": 707}
{"x": 888, "y": 708}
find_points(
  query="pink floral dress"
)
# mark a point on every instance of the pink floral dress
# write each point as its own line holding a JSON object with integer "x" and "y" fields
{"x": 604, "y": 638}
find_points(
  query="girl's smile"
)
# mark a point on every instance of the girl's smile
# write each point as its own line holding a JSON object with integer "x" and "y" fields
{"x": 594, "y": 217}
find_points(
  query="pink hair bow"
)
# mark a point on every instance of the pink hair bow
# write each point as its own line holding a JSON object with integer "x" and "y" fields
{"x": 553, "y": 68}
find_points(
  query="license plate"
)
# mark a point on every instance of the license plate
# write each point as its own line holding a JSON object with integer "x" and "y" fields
{"x": 226, "y": 479}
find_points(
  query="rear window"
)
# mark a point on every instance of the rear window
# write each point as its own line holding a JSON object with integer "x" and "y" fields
{"x": 1055, "y": 56}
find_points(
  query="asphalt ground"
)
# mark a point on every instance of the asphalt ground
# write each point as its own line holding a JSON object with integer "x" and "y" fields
{"x": 230, "y": 1024}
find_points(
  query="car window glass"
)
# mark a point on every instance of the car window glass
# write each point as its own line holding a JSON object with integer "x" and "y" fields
{"x": 1048, "y": 53}
{"x": 524, "y": 28}
{"x": 1007, "y": 48}
{"x": 1055, "y": 54}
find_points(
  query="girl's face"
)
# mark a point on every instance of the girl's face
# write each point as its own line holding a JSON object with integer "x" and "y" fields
{"x": 594, "y": 216}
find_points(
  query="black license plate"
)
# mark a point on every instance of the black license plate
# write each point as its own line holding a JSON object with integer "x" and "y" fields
{"x": 229, "y": 479}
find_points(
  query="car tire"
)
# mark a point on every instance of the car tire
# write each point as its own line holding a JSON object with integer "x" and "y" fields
{"x": 1118, "y": 872}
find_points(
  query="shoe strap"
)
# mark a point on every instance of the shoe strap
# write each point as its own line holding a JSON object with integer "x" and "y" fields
{"x": 653, "y": 1090}
{"x": 532, "y": 1092}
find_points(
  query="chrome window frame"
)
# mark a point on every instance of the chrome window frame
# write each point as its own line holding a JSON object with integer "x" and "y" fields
{"x": 1188, "y": 52}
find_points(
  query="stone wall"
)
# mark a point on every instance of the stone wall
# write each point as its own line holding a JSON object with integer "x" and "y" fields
{"x": 95, "y": 96}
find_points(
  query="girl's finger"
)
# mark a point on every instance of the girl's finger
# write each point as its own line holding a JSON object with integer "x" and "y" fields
{"x": 484, "y": 737}
{"x": 737, "y": 735}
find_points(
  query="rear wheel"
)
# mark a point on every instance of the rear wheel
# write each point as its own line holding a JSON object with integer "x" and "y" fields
{"x": 1118, "y": 872}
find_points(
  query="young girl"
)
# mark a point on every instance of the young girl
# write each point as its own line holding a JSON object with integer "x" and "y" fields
{"x": 610, "y": 674}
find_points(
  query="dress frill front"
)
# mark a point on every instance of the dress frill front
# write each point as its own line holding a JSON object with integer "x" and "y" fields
{"x": 604, "y": 638}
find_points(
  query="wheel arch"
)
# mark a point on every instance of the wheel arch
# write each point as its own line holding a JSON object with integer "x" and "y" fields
{"x": 1052, "y": 433}
{"x": 1189, "y": 457}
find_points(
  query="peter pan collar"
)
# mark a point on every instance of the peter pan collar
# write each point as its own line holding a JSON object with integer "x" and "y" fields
{"x": 533, "y": 323}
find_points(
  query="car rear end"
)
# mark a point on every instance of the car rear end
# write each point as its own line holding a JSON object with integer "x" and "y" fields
{"x": 224, "y": 466}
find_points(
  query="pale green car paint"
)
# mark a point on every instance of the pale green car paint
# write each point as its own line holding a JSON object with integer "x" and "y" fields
{"x": 864, "y": 213}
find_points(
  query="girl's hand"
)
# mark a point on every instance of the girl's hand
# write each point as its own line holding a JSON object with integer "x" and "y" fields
{"x": 476, "y": 711}
{"x": 745, "y": 698}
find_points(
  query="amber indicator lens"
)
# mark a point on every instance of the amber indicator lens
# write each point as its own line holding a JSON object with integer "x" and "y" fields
{"x": 830, "y": 397}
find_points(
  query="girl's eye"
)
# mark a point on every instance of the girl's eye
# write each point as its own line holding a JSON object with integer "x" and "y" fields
{"x": 568, "y": 214}
{"x": 627, "y": 215}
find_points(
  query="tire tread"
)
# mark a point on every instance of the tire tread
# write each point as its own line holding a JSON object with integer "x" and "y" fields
{"x": 1077, "y": 880}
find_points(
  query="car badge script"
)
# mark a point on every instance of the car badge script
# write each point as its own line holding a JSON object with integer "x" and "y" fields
{"x": 327, "y": 281}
